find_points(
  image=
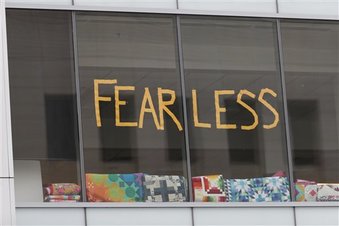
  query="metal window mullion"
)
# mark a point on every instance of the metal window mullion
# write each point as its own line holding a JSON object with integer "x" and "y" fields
{"x": 277, "y": 6}
{"x": 184, "y": 105}
{"x": 81, "y": 163}
{"x": 285, "y": 110}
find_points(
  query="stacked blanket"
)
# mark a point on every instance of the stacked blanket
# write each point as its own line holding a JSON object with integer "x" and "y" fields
{"x": 327, "y": 192}
{"x": 262, "y": 189}
{"x": 62, "y": 192}
{"x": 209, "y": 188}
{"x": 165, "y": 188}
{"x": 310, "y": 191}
{"x": 135, "y": 187}
{"x": 115, "y": 187}
{"x": 139, "y": 187}
{"x": 305, "y": 190}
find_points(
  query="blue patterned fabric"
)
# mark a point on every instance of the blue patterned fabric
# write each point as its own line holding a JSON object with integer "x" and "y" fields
{"x": 264, "y": 189}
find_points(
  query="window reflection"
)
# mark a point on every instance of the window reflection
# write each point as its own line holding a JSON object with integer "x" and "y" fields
{"x": 43, "y": 106}
{"x": 132, "y": 116}
{"x": 232, "y": 66}
{"x": 137, "y": 149}
{"x": 311, "y": 65}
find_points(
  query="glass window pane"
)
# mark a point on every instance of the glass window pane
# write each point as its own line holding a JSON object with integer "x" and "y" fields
{"x": 235, "y": 114}
{"x": 43, "y": 103}
{"x": 312, "y": 71}
{"x": 131, "y": 103}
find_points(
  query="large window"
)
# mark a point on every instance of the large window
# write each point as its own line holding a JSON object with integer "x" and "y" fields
{"x": 234, "y": 100}
{"x": 133, "y": 122}
{"x": 165, "y": 108}
{"x": 43, "y": 101}
{"x": 311, "y": 56}
{"x": 234, "y": 97}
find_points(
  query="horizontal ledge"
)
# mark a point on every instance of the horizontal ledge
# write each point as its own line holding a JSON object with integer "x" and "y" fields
{"x": 172, "y": 11}
{"x": 174, "y": 205}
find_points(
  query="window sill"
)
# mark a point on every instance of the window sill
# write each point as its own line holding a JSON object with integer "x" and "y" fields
{"x": 173, "y": 205}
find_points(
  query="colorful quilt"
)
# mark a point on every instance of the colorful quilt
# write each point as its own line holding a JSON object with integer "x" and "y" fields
{"x": 165, "y": 188}
{"x": 51, "y": 198}
{"x": 311, "y": 192}
{"x": 264, "y": 189}
{"x": 300, "y": 189}
{"x": 209, "y": 188}
{"x": 328, "y": 192}
{"x": 115, "y": 187}
{"x": 62, "y": 189}
{"x": 59, "y": 200}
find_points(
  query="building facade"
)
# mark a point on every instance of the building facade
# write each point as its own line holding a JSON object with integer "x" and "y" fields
{"x": 172, "y": 112}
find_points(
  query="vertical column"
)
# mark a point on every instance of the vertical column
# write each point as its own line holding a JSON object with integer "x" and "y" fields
{"x": 183, "y": 94}
{"x": 277, "y": 6}
{"x": 81, "y": 161}
{"x": 285, "y": 114}
{"x": 7, "y": 211}
{"x": 286, "y": 120}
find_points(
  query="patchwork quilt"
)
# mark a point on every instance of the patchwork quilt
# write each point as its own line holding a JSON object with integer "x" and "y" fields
{"x": 264, "y": 189}
{"x": 311, "y": 192}
{"x": 51, "y": 198}
{"x": 328, "y": 192}
{"x": 165, "y": 188}
{"x": 209, "y": 188}
{"x": 62, "y": 189}
{"x": 115, "y": 187}
{"x": 300, "y": 186}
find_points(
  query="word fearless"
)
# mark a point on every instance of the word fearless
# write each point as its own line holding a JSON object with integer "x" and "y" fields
{"x": 158, "y": 117}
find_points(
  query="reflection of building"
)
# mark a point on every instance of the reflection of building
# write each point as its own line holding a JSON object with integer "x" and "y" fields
{"x": 55, "y": 53}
